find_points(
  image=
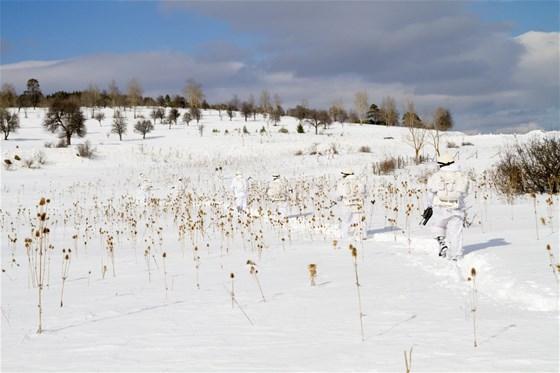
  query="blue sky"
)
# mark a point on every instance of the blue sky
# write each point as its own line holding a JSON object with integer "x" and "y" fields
{"x": 44, "y": 30}
{"x": 494, "y": 64}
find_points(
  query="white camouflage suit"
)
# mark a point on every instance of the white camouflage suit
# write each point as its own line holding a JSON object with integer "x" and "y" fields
{"x": 352, "y": 193}
{"x": 447, "y": 189}
{"x": 277, "y": 192}
{"x": 239, "y": 187}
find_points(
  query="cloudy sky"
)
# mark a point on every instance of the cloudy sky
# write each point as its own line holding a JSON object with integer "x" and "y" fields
{"x": 494, "y": 64}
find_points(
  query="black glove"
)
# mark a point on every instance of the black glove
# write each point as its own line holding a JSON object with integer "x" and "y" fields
{"x": 427, "y": 215}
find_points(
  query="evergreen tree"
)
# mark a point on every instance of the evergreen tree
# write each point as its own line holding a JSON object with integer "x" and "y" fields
{"x": 374, "y": 115}
{"x": 33, "y": 92}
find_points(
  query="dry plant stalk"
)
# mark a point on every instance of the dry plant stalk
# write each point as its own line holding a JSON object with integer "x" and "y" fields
{"x": 234, "y": 300}
{"x": 408, "y": 360}
{"x": 254, "y": 272}
{"x": 41, "y": 235}
{"x": 552, "y": 264}
{"x": 65, "y": 270}
{"x": 312, "y": 268}
{"x": 474, "y": 302}
{"x": 534, "y": 196}
{"x": 164, "y": 256}
{"x": 232, "y": 276}
{"x": 355, "y": 259}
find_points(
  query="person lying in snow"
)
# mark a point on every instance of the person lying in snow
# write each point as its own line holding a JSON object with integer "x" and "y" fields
{"x": 447, "y": 190}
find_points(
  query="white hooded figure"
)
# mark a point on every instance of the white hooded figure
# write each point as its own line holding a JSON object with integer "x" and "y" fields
{"x": 447, "y": 190}
{"x": 145, "y": 188}
{"x": 351, "y": 192}
{"x": 277, "y": 192}
{"x": 240, "y": 187}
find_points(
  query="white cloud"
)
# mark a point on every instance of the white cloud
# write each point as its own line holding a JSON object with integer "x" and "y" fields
{"x": 529, "y": 95}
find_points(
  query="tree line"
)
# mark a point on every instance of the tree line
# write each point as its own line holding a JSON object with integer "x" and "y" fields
{"x": 193, "y": 98}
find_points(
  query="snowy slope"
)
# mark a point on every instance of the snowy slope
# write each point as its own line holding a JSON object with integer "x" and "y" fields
{"x": 130, "y": 322}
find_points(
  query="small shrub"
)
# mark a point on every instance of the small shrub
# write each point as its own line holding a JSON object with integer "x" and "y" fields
{"x": 85, "y": 150}
{"x": 49, "y": 145}
{"x": 226, "y": 132}
{"x": 467, "y": 143}
{"x": 300, "y": 128}
{"x": 385, "y": 166}
{"x": 215, "y": 130}
{"x": 283, "y": 130}
{"x": 451, "y": 145}
{"x": 262, "y": 130}
{"x": 388, "y": 165}
{"x": 62, "y": 143}
{"x": 28, "y": 163}
{"x": 364, "y": 149}
{"x": 245, "y": 130}
{"x": 299, "y": 152}
{"x": 533, "y": 167}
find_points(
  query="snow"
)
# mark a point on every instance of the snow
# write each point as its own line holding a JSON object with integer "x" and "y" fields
{"x": 410, "y": 297}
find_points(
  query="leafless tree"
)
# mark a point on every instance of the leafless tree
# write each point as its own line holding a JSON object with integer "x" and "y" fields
{"x": 134, "y": 92}
{"x": 194, "y": 94}
{"x": 8, "y": 96}
{"x": 389, "y": 112}
{"x": 114, "y": 93}
{"x": 265, "y": 104}
{"x": 361, "y": 105}
{"x": 90, "y": 98}
{"x": 119, "y": 124}
{"x": 416, "y": 134}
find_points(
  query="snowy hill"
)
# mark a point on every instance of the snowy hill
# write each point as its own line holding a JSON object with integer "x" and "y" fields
{"x": 129, "y": 307}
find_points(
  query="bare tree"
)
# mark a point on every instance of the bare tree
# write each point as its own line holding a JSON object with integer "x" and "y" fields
{"x": 99, "y": 117}
{"x": 194, "y": 94}
{"x": 119, "y": 124}
{"x": 318, "y": 118}
{"x": 144, "y": 127}
{"x": 9, "y": 122}
{"x": 158, "y": 113}
{"x": 253, "y": 105}
{"x": 65, "y": 115}
{"x": 196, "y": 113}
{"x": 187, "y": 118}
{"x": 114, "y": 93}
{"x": 134, "y": 92}
{"x": 90, "y": 98}
{"x": 389, "y": 112}
{"x": 173, "y": 116}
{"x": 246, "y": 109}
{"x": 265, "y": 104}
{"x": 8, "y": 96}
{"x": 361, "y": 105}
{"x": 416, "y": 134}
{"x": 337, "y": 112}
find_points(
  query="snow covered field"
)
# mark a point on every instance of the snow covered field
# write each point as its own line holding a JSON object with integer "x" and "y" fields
{"x": 132, "y": 309}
